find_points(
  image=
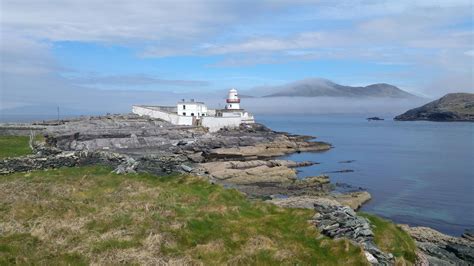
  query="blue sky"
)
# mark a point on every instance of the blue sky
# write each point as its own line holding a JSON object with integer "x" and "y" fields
{"x": 101, "y": 60}
{"x": 54, "y": 49}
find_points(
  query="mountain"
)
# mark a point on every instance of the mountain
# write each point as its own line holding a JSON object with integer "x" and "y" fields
{"x": 324, "y": 87}
{"x": 451, "y": 107}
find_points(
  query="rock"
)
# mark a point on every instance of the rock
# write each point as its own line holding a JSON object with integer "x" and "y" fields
{"x": 337, "y": 221}
{"x": 374, "y": 118}
{"x": 353, "y": 199}
{"x": 370, "y": 258}
{"x": 440, "y": 248}
{"x": 468, "y": 234}
{"x": 186, "y": 168}
{"x": 340, "y": 171}
{"x": 464, "y": 252}
{"x": 256, "y": 172}
{"x": 304, "y": 202}
{"x": 196, "y": 157}
{"x": 347, "y": 161}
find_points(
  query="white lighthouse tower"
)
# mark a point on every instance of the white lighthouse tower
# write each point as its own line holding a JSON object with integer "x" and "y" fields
{"x": 233, "y": 101}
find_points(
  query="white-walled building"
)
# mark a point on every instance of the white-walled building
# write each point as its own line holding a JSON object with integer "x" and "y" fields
{"x": 196, "y": 113}
{"x": 191, "y": 108}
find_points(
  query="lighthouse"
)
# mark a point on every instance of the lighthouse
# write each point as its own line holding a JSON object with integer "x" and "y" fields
{"x": 233, "y": 101}
{"x": 193, "y": 113}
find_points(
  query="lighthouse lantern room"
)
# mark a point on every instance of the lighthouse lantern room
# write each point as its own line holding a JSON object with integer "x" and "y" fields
{"x": 233, "y": 101}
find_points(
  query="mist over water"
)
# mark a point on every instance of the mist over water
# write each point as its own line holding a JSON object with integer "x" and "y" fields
{"x": 122, "y": 103}
{"x": 418, "y": 173}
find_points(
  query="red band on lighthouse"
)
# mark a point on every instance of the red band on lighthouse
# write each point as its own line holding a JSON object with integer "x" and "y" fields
{"x": 233, "y": 100}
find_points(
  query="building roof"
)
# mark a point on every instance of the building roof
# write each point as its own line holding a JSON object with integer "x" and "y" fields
{"x": 189, "y": 102}
{"x": 230, "y": 110}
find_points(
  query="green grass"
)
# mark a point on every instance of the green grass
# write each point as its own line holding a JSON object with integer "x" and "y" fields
{"x": 11, "y": 146}
{"x": 24, "y": 249}
{"x": 390, "y": 238}
{"x": 89, "y": 215}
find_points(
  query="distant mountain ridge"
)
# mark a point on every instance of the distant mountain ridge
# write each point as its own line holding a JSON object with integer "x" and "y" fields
{"x": 323, "y": 87}
{"x": 451, "y": 107}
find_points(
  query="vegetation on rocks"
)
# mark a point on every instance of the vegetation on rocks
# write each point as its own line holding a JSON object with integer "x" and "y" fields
{"x": 90, "y": 215}
{"x": 390, "y": 238}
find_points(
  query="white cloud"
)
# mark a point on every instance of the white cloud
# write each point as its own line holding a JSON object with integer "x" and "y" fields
{"x": 469, "y": 53}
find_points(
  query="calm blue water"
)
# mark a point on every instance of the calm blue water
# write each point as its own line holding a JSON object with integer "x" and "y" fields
{"x": 419, "y": 173}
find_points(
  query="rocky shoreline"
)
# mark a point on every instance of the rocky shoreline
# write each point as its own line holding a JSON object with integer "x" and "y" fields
{"x": 245, "y": 159}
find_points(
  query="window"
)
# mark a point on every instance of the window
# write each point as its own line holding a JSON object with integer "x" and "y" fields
{"x": 230, "y": 105}
{"x": 192, "y": 114}
{"x": 184, "y": 113}
{"x": 184, "y": 107}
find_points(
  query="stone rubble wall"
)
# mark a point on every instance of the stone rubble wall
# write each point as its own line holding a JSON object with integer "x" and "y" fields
{"x": 337, "y": 221}
{"x": 47, "y": 158}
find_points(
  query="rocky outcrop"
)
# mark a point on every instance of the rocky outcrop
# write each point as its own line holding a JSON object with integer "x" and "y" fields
{"x": 265, "y": 178}
{"x": 352, "y": 200}
{"x": 278, "y": 147}
{"x": 451, "y": 107}
{"x": 441, "y": 249}
{"x": 139, "y": 136}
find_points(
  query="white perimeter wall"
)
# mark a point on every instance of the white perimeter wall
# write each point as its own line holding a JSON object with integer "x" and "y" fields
{"x": 216, "y": 123}
{"x": 156, "y": 113}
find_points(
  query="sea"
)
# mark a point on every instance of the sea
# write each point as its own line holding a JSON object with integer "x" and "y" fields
{"x": 418, "y": 173}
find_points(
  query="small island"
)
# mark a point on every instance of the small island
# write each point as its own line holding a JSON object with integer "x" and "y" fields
{"x": 375, "y": 118}
{"x": 451, "y": 107}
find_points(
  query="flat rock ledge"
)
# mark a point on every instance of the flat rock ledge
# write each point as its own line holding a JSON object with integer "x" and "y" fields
{"x": 441, "y": 249}
{"x": 352, "y": 200}
{"x": 265, "y": 177}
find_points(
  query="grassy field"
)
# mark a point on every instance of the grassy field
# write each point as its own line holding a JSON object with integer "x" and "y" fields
{"x": 391, "y": 238}
{"x": 88, "y": 215}
{"x": 11, "y": 146}
{"x": 14, "y": 146}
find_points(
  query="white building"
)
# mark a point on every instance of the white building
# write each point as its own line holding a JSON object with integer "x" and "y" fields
{"x": 192, "y": 108}
{"x": 191, "y": 113}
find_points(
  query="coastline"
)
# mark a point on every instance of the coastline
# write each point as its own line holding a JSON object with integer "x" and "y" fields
{"x": 245, "y": 159}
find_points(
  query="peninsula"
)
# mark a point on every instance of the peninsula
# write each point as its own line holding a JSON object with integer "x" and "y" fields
{"x": 451, "y": 107}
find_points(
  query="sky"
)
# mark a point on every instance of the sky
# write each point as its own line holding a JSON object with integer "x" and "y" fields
{"x": 97, "y": 55}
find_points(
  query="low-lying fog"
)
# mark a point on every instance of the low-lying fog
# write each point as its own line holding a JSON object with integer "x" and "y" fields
{"x": 322, "y": 105}
{"x": 122, "y": 103}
